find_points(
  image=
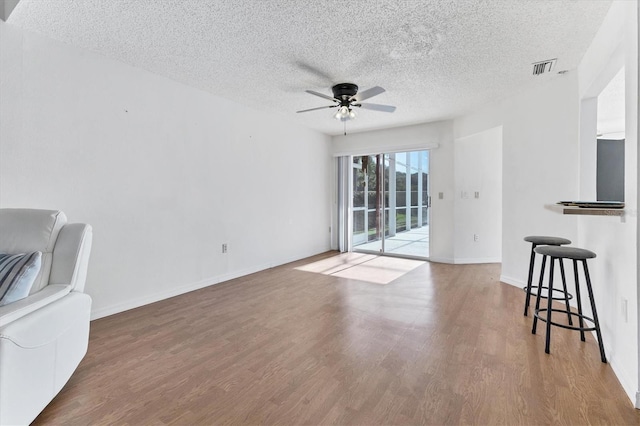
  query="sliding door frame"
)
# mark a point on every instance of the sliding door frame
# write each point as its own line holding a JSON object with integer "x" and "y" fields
{"x": 382, "y": 205}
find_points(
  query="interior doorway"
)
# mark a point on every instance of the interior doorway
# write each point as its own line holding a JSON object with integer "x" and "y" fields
{"x": 390, "y": 203}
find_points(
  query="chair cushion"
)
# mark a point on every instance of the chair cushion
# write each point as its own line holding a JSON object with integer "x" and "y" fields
{"x": 17, "y": 274}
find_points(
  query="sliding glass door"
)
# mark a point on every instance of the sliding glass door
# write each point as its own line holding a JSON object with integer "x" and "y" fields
{"x": 390, "y": 203}
{"x": 367, "y": 202}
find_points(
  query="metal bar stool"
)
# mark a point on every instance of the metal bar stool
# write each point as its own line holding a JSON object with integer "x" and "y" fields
{"x": 575, "y": 254}
{"x": 545, "y": 241}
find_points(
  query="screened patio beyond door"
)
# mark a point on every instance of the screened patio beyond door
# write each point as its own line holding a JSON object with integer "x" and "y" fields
{"x": 391, "y": 189}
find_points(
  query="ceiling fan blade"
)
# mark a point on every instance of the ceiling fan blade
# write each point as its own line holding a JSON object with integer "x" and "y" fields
{"x": 322, "y": 95}
{"x": 369, "y": 93}
{"x": 377, "y": 107}
{"x": 322, "y": 107}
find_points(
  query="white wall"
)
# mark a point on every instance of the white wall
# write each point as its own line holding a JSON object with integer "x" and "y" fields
{"x": 165, "y": 173}
{"x": 540, "y": 164}
{"x": 438, "y": 138}
{"x": 478, "y": 170}
{"x": 397, "y": 139}
{"x": 588, "y": 144}
{"x": 615, "y": 270}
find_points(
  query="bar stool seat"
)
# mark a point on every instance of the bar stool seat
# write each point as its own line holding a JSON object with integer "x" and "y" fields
{"x": 576, "y": 255}
{"x": 538, "y": 240}
{"x": 547, "y": 241}
{"x": 566, "y": 252}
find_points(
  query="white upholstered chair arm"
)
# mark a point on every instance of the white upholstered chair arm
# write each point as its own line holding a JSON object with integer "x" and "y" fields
{"x": 15, "y": 310}
{"x": 71, "y": 256}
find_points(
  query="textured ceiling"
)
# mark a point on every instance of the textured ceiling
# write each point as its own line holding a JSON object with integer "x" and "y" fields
{"x": 436, "y": 59}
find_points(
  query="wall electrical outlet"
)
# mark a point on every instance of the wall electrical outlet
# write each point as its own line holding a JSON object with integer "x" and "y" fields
{"x": 476, "y": 237}
{"x": 224, "y": 247}
{"x": 476, "y": 194}
{"x": 440, "y": 195}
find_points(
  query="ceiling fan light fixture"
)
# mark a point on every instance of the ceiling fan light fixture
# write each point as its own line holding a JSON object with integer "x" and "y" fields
{"x": 343, "y": 113}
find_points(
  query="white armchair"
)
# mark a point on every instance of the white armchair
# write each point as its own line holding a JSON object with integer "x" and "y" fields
{"x": 44, "y": 336}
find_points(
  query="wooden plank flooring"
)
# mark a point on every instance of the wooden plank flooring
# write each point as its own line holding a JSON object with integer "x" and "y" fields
{"x": 444, "y": 344}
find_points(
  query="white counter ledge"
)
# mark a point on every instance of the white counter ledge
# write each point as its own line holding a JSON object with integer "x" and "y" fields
{"x": 591, "y": 211}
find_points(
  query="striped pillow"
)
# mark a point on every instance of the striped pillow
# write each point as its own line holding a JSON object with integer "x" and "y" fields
{"x": 17, "y": 274}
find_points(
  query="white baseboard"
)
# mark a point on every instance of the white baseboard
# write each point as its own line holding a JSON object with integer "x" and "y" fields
{"x": 441, "y": 259}
{"x": 469, "y": 261}
{"x": 186, "y": 288}
{"x": 623, "y": 377}
{"x": 152, "y": 298}
{"x": 465, "y": 261}
{"x": 512, "y": 281}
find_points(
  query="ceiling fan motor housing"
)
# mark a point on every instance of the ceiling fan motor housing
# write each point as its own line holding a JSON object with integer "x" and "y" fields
{"x": 344, "y": 89}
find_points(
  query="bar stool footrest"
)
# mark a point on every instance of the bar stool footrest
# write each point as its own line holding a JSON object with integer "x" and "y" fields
{"x": 560, "y": 311}
{"x": 568, "y": 296}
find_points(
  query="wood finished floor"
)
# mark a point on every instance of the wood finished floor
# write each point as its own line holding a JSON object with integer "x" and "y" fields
{"x": 444, "y": 344}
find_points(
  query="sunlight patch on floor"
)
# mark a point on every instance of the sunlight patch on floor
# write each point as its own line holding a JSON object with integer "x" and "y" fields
{"x": 363, "y": 267}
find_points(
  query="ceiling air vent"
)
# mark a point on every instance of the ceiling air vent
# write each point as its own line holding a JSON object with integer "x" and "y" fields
{"x": 544, "y": 67}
